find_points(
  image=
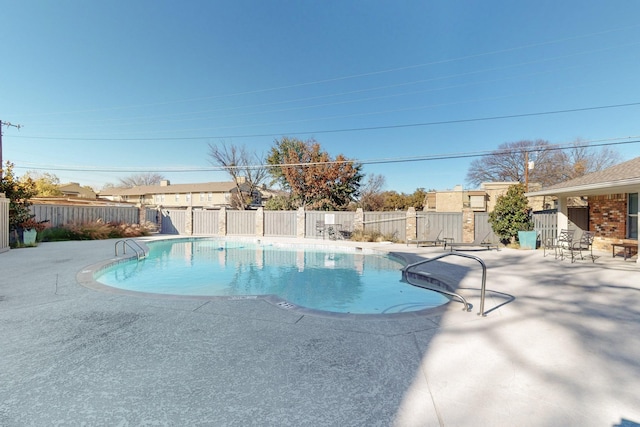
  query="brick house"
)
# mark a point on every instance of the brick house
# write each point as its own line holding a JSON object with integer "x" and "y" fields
{"x": 612, "y": 196}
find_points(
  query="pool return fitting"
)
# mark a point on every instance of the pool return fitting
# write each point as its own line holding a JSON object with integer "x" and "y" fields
{"x": 426, "y": 276}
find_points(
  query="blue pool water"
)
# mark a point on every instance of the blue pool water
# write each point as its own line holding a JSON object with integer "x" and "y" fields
{"x": 335, "y": 280}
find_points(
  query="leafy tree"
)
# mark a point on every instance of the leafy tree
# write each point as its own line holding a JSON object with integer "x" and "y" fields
{"x": 313, "y": 179}
{"x": 280, "y": 203}
{"x": 416, "y": 199}
{"x": 511, "y": 214}
{"x": 47, "y": 184}
{"x": 246, "y": 170}
{"x": 551, "y": 165}
{"x": 138, "y": 180}
{"x": 394, "y": 201}
{"x": 18, "y": 192}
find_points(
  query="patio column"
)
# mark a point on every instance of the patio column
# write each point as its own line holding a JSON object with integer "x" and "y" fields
{"x": 638, "y": 228}
{"x": 563, "y": 214}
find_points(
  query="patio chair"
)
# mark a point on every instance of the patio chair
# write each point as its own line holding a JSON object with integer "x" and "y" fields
{"x": 584, "y": 244}
{"x": 561, "y": 244}
{"x": 320, "y": 228}
{"x": 478, "y": 243}
{"x": 432, "y": 238}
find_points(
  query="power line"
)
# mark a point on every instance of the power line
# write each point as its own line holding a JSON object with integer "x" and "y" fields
{"x": 433, "y": 157}
{"x": 359, "y": 75}
{"x": 360, "y": 129}
{"x": 8, "y": 125}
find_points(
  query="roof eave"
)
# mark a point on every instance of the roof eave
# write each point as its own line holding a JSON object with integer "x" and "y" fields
{"x": 630, "y": 185}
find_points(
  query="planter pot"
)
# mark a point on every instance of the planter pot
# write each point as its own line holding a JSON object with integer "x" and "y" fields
{"x": 29, "y": 237}
{"x": 527, "y": 239}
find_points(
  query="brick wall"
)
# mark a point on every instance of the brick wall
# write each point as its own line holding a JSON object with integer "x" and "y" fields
{"x": 608, "y": 219}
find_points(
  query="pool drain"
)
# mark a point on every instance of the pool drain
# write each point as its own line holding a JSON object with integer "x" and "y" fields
{"x": 285, "y": 304}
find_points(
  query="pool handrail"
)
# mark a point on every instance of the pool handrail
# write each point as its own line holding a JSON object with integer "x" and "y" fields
{"x": 135, "y": 246}
{"x": 483, "y": 289}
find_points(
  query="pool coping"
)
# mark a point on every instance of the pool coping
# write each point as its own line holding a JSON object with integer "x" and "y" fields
{"x": 86, "y": 278}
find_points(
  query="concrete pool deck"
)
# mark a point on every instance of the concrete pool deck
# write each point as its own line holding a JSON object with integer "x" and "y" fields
{"x": 564, "y": 352}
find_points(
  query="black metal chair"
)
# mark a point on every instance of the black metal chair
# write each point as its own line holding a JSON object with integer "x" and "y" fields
{"x": 584, "y": 244}
{"x": 561, "y": 244}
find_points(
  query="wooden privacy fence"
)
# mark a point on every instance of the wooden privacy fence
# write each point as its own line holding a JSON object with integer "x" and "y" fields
{"x": 398, "y": 225}
{"x": 545, "y": 223}
{"x": 450, "y": 223}
{"x": 4, "y": 223}
{"x": 58, "y": 215}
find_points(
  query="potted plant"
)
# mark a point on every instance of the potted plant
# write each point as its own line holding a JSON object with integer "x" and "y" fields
{"x": 30, "y": 229}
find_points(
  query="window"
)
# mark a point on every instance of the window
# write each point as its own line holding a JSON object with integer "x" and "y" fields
{"x": 209, "y": 197}
{"x": 202, "y": 197}
{"x": 188, "y": 197}
{"x": 177, "y": 197}
{"x": 632, "y": 218}
{"x": 477, "y": 202}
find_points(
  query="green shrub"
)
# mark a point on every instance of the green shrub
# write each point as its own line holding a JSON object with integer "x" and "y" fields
{"x": 511, "y": 214}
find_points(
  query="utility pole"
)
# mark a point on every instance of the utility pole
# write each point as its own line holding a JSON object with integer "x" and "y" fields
{"x": 8, "y": 125}
{"x": 526, "y": 171}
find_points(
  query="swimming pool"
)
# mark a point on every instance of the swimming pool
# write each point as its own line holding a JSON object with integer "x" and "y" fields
{"x": 339, "y": 280}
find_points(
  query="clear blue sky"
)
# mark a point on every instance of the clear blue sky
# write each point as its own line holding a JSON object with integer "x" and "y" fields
{"x": 97, "y": 85}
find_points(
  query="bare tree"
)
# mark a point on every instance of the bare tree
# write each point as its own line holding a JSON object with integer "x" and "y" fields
{"x": 246, "y": 169}
{"x": 137, "y": 180}
{"x": 551, "y": 164}
{"x": 580, "y": 159}
{"x": 371, "y": 198}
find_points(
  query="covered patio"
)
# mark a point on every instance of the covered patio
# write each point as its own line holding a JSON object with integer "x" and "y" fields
{"x": 612, "y": 195}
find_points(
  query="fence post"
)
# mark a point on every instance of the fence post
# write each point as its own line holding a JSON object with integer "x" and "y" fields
{"x": 260, "y": 222}
{"x": 4, "y": 223}
{"x": 222, "y": 221}
{"x": 142, "y": 214}
{"x": 300, "y": 223}
{"x": 411, "y": 227}
{"x": 468, "y": 225}
{"x": 358, "y": 220}
{"x": 188, "y": 219}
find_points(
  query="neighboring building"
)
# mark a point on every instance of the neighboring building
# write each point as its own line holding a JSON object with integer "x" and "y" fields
{"x": 479, "y": 200}
{"x": 199, "y": 195}
{"x": 73, "y": 189}
{"x": 612, "y": 196}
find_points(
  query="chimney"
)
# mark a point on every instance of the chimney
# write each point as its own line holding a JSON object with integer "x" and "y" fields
{"x": 164, "y": 183}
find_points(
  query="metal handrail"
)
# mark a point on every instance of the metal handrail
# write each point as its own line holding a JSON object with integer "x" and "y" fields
{"x": 483, "y": 289}
{"x": 467, "y": 306}
{"x": 128, "y": 242}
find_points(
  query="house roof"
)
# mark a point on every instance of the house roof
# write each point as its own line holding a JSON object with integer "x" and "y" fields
{"x": 203, "y": 187}
{"x": 74, "y": 188}
{"x": 621, "y": 178}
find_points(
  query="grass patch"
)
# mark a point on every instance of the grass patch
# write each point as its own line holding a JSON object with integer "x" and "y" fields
{"x": 95, "y": 230}
{"x": 373, "y": 236}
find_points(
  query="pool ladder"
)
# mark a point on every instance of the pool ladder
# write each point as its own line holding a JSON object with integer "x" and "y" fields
{"x": 140, "y": 250}
{"x": 467, "y": 306}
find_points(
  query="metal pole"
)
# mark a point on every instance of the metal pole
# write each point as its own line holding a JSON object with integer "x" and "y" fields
{"x": 4, "y": 124}
{"x": 1, "y": 165}
{"x": 526, "y": 171}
